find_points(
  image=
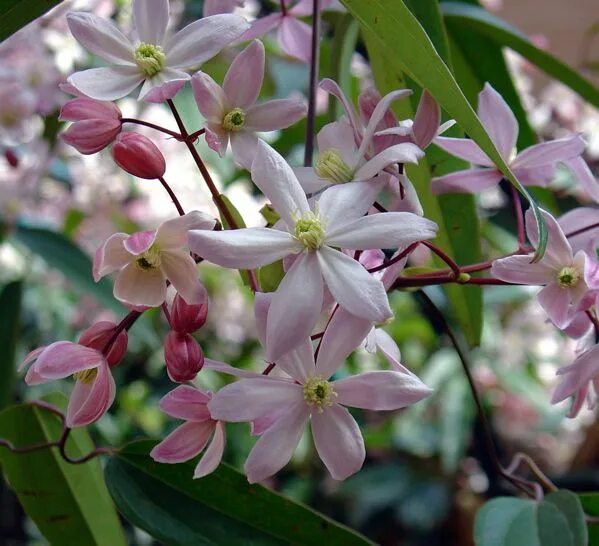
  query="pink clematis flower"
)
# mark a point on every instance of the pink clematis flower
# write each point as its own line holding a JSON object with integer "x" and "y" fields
{"x": 534, "y": 166}
{"x": 281, "y": 407}
{"x": 567, "y": 277}
{"x": 152, "y": 58}
{"x": 231, "y": 111}
{"x": 147, "y": 259}
{"x": 190, "y": 438}
{"x": 314, "y": 233}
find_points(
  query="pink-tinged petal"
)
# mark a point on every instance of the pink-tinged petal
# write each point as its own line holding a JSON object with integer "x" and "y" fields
{"x": 498, "y": 119}
{"x": 578, "y": 401}
{"x": 217, "y": 139}
{"x": 275, "y": 178}
{"x": 579, "y": 219}
{"x": 309, "y": 180}
{"x": 555, "y": 301}
{"x": 203, "y": 39}
{"x": 367, "y": 102}
{"x": 276, "y": 446}
{"x": 305, "y": 8}
{"x": 101, "y": 37}
{"x": 399, "y": 153}
{"x": 558, "y": 252}
{"x": 90, "y": 401}
{"x": 468, "y": 181}
{"x": 344, "y": 333}
{"x": 184, "y": 443}
{"x": 465, "y": 149}
{"x": 382, "y": 230}
{"x": 579, "y": 326}
{"x": 163, "y": 86}
{"x": 63, "y": 358}
{"x": 380, "y": 390}
{"x": 261, "y": 26}
{"x": 262, "y": 301}
{"x": 214, "y": 7}
{"x": 173, "y": 234}
{"x": 295, "y": 307}
{"x": 111, "y": 256}
{"x": 520, "y": 270}
{"x": 332, "y": 88}
{"x": 92, "y": 135}
{"x": 150, "y": 18}
{"x": 391, "y": 273}
{"x": 577, "y": 375}
{"x": 243, "y": 145}
{"x": 249, "y": 399}
{"x": 536, "y": 176}
{"x": 299, "y": 363}
{"x": 180, "y": 268}
{"x": 387, "y": 346}
{"x": 213, "y": 454}
{"x": 275, "y": 114}
{"x": 406, "y": 200}
{"x": 426, "y": 120}
{"x": 550, "y": 152}
{"x": 107, "y": 82}
{"x": 344, "y": 203}
{"x": 209, "y": 96}
{"x": 221, "y": 367}
{"x": 139, "y": 242}
{"x": 187, "y": 403}
{"x": 136, "y": 286}
{"x": 82, "y": 109}
{"x": 294, "y": 37}
{"x": 339, "y": 136}
{"x": 353, "y": 287}
{"x": 243, "y": 248}
{"x": 585, "y": 177}
{"x": 338, "y": 441}
{"x": 244, "y": 78}
{"x": 31, "y": 357}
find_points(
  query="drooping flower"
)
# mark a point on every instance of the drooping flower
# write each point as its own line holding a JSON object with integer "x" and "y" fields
{"x": 231, "y": 111}
{"x": 534, "y": 166}
{"x": 189, "y": 439}
{"x": 152, "y": 58}
{"x": 145, "y": 260}
{"x": 566, "y": 276}
{"x": 313, "y": 232}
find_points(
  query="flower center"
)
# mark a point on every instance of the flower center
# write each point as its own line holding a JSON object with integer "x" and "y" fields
{"x": 150, "y": 259}
{"x": 319, "y": 392}
{"x": 86, "y": 376}
{"x": 309, "y": 231}
{"x": 234, "y": 120}
{"x": 8, "y": 119}
{"x": 330, "y": 166}
{"x": 568, "y": 277}
{"x": 149, "y": 58}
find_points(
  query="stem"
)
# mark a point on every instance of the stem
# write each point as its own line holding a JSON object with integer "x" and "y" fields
{"x": 455, "y": 268}
{"x": 379, "y": 207}
{"x": 195, "y": 135}
{"x": 269, "y": 368}
{"x": 153, "y": 126}
{"x": 125, "y": 324}
{"x": 582, "y": 230}
{"x": 283, "y": 8}
{"x": 519, "y": 216}
{"x": 172, "y": 196}
{"x": 314, "y": 69}
{"x": 397, "y": 258}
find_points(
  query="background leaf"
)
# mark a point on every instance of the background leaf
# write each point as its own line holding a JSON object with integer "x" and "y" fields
{"x": 15, "y": 14}
{"x": 10, "y": 320}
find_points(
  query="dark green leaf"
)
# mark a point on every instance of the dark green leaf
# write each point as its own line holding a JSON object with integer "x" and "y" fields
{"x": 10, "y": 315}
{"x": 69, "y": 503}
{"x": 570, "y": 508}
{"x": 221, "y": 508}
{"x": 590, "y": 505}
{"x": 270, "y": 276}
{"x": 15, "y": 14}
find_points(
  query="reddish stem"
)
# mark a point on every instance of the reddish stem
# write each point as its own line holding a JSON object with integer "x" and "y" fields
{"x": 153, "y": 126}
{"x": 172, "y": 195}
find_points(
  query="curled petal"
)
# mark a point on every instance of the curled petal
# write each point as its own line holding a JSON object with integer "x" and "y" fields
{"x": 163, "y": 86}
{"x": 180, "y": 268}
{"x": 90, "y": 401}
{"x": 184, "y": 443}
{"x": 213, "y": 455}
{"x": 111, "y": 256}
{"x": 63, "y": 358}
{"x": 172, "y": 234}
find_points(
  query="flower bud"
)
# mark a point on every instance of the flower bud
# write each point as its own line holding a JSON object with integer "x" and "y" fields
{"x": 139, "y": 156}
{"x": 187, "y": 318}
{"x": 99, "y": 334}
{"x": 184, "y": 357}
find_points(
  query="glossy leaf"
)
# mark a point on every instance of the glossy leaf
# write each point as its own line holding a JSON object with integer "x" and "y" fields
{"x": 221, "y": 508}
{"x": 11, "y": 296}
{"x": 69, "y": 503}
{"x": 15, "y": 14}
{"x": 590, "y": 505}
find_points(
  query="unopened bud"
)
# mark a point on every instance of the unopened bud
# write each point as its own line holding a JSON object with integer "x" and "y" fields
{"x": 184, "y": 357}
{"x": 139, "y": 156}
{"x": 97, "y": 337}
{"x": 187, "y": 318}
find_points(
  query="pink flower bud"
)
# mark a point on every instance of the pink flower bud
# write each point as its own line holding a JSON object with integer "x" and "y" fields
{"x": 187, "y": 318}
{"x": 99, "y": 334}
{"x": 139, "y": 156}
{"x": 184, "y": 357}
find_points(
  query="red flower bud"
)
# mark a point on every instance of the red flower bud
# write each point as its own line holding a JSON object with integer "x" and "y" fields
{"x": 139, "y": 156}
{"x": 99, "y": 334}
{"x": 187, "y": 318}
{"x": 184, "y": 357}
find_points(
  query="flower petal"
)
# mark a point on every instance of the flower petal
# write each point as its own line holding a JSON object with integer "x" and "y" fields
{"x": 108, "y": 82}
{"x": 550, "y": 152}
{"x": 520, "y": 270}
{"x": 387, "y": 346}
{"x": 399, "y": 153}
{"x": 275, "y": 114}
{"x": 151, "y": 19}
{"x": 213, "y": 455}
{"x": 464, "y": 148}
{"x": 111, "y": 256}
{"x": 135, "y": 286}
{"x": 294, "y": 37}
{"x": 555, "y": 301}
{"x": 585, "y": 177}
{"x": 187, "y": 403}
{"x": 63, "y": 358}
{"x": 245, "y": 75}
{"x": 426, "y": 120}
{"x": 299, "y": 363}
{"x": 338, "y": 441}
{"x": 90, "y": 401}
{"x": 261, "y": 26}
{"x": 180, "y": 268}
{"x": 577, "y": 375}
{"x": 209, "y": 96}
{"x": 331, "y": 87}
{"x": 173, "y": 233}
{"x": 558, "y": 252}
{"x": 163, "y": 86}
{"x": 138, "y": 243}
{"x": 243, "y": 145}
{"x": 468, "y": 181}
{"x": 184, "y": 443}
{"x": 498, "y": 119}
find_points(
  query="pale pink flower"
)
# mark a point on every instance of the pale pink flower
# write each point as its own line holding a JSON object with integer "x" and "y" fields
{"x": 566, "y": 277}
{"x": 214, "y": 7}
{"x": 147, "y": 259}
{"x": 314, "y": 233}
{"x": 231, "y": 111}
{"x": 152, "y": 58}
{"x": 189, "y": 439}
{"x": 534, "y": 166}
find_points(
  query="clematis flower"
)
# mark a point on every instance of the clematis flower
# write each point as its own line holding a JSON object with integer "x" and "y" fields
{"x": 147, "y": 259}
{"x": 190, "y": 438}
{"x": 566, "y": 276}
{"x": 314, "y": 233}
{"x": 283, "y": 406}
{"x": 231, "y": 111}
{"x": 152, "y": 58}
{"x": 534, "y": 166}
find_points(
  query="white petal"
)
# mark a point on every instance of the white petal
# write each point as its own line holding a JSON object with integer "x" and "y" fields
{"x": 180, "y": 268}
{"x": 151, "y": 20}
{"x": 107, "y": 83}
{"x": 138, "y": 287}
{"x": 163, "y": 86}
{"x": 400, "y": 153}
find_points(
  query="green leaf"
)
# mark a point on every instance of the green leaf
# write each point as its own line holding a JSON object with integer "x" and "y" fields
{"x": 487, "y": 24}
{"x": 590, "y": 505}
{"x": 406, "y": 47}
{"x": 270, "y": 276}
{"x": 69, "y": 503}
{"x": 221, "y": 508}
{"x": 10, "y": 315}
{"x": 571, "y": 509}
{"x": 15, "y": 14}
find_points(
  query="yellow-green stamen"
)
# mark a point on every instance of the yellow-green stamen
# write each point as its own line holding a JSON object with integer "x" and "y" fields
{"x": 86, "y": 376}
{"x": 309, "y": 231}
{"x": 319, "y": 392}
{"x": 150, "y": 259}
{"x": 234, "y": 120}
{"x": 150, "y": 59}
{"x": 330, "y": 166}
{"x": 568, "y": 277}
